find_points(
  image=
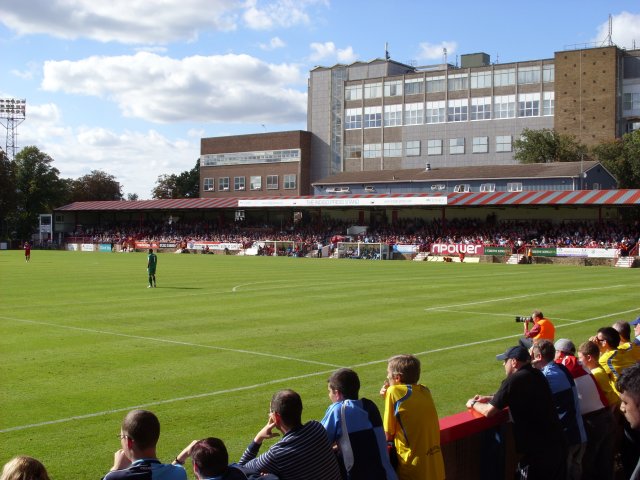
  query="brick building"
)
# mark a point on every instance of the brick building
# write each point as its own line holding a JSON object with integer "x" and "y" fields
{"x": 274, "y": 164}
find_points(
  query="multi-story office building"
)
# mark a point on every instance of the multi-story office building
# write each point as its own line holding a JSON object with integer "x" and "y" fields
{"x": 385, "y": 115}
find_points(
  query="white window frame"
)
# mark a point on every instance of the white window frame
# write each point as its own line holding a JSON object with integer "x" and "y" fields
{"x": 456, "y": 146}
{"x": 458, "y": 110}
{"x": 352, "y": 118}
{"x": 271, "y": 185}
{"x": 223, "y": 184}
{"x": 392, "y": 149}
{"x": 413, "y": 113}
{"x": 373, "y": 90}
{"x": 528, "y": 75}
{"x": 480, "y": 108}
{"x": 504, "y": 143}
{"x": 372, "y": 117}
{"x": 255, "y": 182}
{"x": 353, "y": 151}
{"x": 548, "y": 73}
{"x": 353, "y": 92}
{"x": 457, "y": 81}
{"x": 412, "y": 148}
{"x": 289, "y": 181}
{"x": 480, "y": 145}
{"x": 462, "y": 188}
{"x": 504, "y": 106}
{"x": 393, "y": 115}
{"x": 239, "y": 183}
{"x": 372, "y": 150}
{"x": 413, "y": 82}
{"x": 548, "y": 104}
{"x": 504, "y": 77}
{"x": 481, "y": 79}
{"x": 436, "y": 112}
{"x": 434, "y": 146}
{"x": 209, "y": 184}
{"x": 393, "y": 88}
{"x": 436, "y": 84}
{"x": 529, "y": 104}
{"x": 488, "y": 187}
{"x": 514, "y": 187}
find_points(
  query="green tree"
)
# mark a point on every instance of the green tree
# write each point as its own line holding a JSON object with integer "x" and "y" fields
{"x": 547, "y": 146}
{"x": 183, "y": 185}
{"x": 38, "y": 189}
{"x": 96, "y": 185}
{"x": 7, "y": 193}
{"x": 622, "y": 158}
{"x": 132, "y": 197}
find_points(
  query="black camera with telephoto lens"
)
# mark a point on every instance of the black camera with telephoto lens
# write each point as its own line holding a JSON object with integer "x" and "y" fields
{"x": 520, "y": 319}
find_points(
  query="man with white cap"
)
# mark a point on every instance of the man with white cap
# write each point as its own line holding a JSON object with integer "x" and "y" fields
{"x": 536, "y": 428}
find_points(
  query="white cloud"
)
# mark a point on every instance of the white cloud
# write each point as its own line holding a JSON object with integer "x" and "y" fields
{"x": 625, "y": 30}
{"x": 273, "y": 44}
{"x": 27, "y": 74}
{"x": 135, "y": 159}
{"x": 278, "y": 13}
{"x": 147, "y": 22}
{"x": 328, "y": 52}
{"x": 213, "y": 89}
{"x": 431, "y": 51}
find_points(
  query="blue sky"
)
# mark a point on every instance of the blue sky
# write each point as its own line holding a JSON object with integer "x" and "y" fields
{"x": 130, "y": 86}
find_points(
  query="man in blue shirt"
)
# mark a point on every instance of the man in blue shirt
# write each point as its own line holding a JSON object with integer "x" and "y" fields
{"x": 566, "y": 401}
{"x": 355, "y": 426}
{"x": 137, "y": 458}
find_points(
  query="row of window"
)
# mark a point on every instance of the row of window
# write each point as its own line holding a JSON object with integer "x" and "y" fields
{"x": 245, "y": 158}
{"x": 503, "y": 143}
{"x": 452, "y": 82}
{"x": 457, "y": 110}
{"x": 255, "y": 183}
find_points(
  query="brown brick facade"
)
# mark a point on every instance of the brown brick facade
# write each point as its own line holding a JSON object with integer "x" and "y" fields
{"x": 586, "y": 83}
{"x": 252, "y": 143}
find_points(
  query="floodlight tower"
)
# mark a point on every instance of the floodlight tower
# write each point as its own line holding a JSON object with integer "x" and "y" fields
{"x": 12, "y": 114}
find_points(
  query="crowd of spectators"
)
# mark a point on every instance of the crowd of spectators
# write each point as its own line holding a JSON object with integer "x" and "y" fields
{"x": 575, "y": 414}
{"x": 307, "y": 237}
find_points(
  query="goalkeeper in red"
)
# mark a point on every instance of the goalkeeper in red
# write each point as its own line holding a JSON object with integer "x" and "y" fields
{"x": 152, "y": 261}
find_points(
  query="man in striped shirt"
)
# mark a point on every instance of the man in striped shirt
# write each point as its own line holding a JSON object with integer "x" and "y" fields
{"x": 304, "y": 453}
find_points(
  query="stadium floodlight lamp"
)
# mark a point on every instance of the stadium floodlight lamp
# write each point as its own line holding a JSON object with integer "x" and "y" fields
{"x": 13, "y": 108}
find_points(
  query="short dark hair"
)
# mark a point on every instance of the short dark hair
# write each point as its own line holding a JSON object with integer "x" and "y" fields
{"x": 629, "y": 381}
{"x": 210, "y": 456}
{"x": 407, "y": 366}
{"x": 589, "y": 348}
{"x": 611, "y": 335}
{"x": 288, "y": 405}
{"x": 143, "y": 427}
{"x": 151, "y": 250}
{"x": 623, "y": 328}
{"x": 546, "y": 350}
{"x": 537, "y": 314}
{"x": 345, "y": 381}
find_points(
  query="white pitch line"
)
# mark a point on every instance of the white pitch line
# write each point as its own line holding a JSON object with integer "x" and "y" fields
{"x": 492, "y": 314}
{"x": 173, "y": 342}
{"x": 272, "y": 382}
{"x": 528, "y": 295}
{"x": 162, "y": 402}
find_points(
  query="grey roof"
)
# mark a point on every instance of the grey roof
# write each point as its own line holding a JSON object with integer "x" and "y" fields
{"x": 485, "y": 172}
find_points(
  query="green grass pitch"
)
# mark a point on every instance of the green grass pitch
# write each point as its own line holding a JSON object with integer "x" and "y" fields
{"x": 82, "y": 339}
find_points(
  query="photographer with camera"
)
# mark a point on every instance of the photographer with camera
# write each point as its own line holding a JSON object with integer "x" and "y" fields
{"x": 542, "y": 329}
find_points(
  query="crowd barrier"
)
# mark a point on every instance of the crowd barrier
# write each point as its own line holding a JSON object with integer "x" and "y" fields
{"x": 477, "y": 448}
